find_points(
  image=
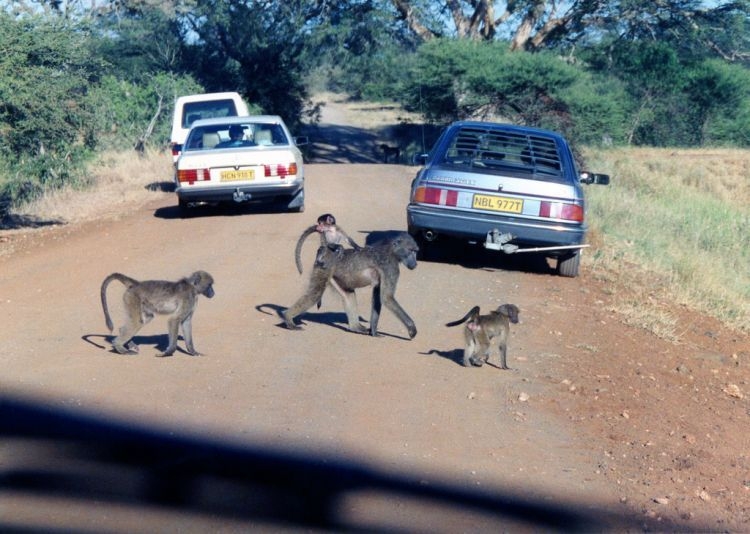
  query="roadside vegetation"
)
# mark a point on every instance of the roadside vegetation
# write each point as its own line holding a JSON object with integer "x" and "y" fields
{"x": 649, "y": 92}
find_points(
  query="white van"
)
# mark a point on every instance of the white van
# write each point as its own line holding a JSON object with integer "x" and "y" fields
{"x": 190, "y": 108}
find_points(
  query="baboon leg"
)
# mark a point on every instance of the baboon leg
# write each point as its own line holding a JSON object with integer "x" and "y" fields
{"x": 305, "y": 302}
{"x": 174, "y": 329}
{"x": 387, "y": 295}
{"x": 470, "y": 347}
{"x": 123, "y": 343}
{"x": 187, "y": 333}
{"x": 352, "y": 310}
{"x": 483, "y": 351}
{"x": 503, "y": 356}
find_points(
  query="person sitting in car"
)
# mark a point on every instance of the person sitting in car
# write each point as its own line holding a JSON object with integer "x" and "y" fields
{"x": 236, "y": 138}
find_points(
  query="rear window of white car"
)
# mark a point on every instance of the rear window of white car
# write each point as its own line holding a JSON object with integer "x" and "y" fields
{"x": 485, "y": 148}
{"x": 218, "y": 136}
{"x": 210, "y": 109}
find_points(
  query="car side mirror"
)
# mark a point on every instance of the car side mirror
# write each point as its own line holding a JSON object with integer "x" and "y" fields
{"x": 301, "y": 140}
{"x": 419, "y": 159}
{"x": 594, "y": 178}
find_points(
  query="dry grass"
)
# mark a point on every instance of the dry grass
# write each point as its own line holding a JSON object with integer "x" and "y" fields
{"x": 672, "y": 227}
{"x": 120, "y": 182}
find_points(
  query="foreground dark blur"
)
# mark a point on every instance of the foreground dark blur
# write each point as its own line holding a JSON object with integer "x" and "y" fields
{"x": 51, "y": 453}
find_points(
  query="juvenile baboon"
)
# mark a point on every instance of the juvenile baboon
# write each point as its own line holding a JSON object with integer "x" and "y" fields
{"x": 481, "y": 330}
{"x": 376, "y": 265}
{"x": 145, "y": 299}
{"x": 389, "y": 151}
{"x": 330, "y": 234}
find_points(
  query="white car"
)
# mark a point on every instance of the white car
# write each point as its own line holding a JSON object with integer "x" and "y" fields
{"x": 239, "y": 160}
{"x": 190, "y": 108}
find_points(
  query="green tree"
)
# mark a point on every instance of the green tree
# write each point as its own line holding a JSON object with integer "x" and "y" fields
{"x": 46, "y": 128}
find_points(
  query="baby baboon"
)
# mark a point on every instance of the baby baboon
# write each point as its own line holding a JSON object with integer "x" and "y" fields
{"x": 389, "y": 151}
{"x": 145, "y": 299}
{"x": 376, "y": 265}
{"x": 325, "y": 262}
{"x": 481, "y": 330}
{"x": 330, "y": 234}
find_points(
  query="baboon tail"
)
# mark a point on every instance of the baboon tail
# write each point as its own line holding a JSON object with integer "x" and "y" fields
{"x": 298, "y": 248}
{"x": 126, "y": 280}
{"x": 473, "y": 311}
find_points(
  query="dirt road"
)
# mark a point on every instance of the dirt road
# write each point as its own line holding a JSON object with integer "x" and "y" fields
{"x": 597, "y": 421}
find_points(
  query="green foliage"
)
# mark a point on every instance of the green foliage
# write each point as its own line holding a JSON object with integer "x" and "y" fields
{"x": 124, "y": 109}
{"x": 46, "y": 129}
{"x": 455, "y": 79}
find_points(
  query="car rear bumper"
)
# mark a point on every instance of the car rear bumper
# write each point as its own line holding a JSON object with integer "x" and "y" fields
{"x": 240, "y": 193}
{"x": 475, "y": 226}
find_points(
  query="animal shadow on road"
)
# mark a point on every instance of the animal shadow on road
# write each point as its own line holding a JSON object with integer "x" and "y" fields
{"x": 159, "y": 342}
{"x": 455, "y": 355}
{"x": 334, "y": 319}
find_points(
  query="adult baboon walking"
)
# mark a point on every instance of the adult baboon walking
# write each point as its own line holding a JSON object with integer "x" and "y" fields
{"x": 145, "y": 299}
{"x": 376, "y": 265}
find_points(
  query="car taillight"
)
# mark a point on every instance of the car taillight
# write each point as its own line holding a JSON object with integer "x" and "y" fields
{"x": 193, "y": 175}
{"x": 532, "y": 207}
{"x": 434, "y": 195}
{"x": 280, "y": 170}
{"x": 561, "y": 210}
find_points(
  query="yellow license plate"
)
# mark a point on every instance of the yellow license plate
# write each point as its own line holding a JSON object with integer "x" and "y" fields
{"x": 237, "y": 176}
{"x": 493, "y": 203}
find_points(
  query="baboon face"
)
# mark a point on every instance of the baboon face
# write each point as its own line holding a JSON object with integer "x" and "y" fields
{"x": 203, "y": 283}
{"x": 406, "y": 250}
{"x": 510, "y": 310}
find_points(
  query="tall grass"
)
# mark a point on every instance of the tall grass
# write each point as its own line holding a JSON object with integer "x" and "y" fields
{"x": 674, "y": 224}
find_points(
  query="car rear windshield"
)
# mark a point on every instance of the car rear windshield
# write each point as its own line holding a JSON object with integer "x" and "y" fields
{"x": 247, "y": 134}
{"x": 486, "y": 149}
{"x": 211, "y": 109}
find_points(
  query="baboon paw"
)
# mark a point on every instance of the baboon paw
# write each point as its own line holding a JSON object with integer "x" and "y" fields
{"x": 164, "y": 354}
{"x": 125, "y": 350}
{"x": 412, "y": 333}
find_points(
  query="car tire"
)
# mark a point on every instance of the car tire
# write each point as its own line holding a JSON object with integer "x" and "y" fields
{"x": 568, "y": 265}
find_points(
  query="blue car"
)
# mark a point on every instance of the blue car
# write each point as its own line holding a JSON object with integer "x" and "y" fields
{"x": 512, "y": 188}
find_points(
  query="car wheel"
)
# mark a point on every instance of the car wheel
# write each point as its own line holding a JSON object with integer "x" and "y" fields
{"x": 568, "y": 265}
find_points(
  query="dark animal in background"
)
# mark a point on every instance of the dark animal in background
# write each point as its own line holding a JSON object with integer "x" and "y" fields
{"x": 145, "y": 299}
{"x": 374, "y": 265}
{"x": 481, "y": 330}
{"x": 390, "y": 151}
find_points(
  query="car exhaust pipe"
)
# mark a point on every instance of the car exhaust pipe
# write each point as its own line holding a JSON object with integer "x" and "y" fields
{"x": 430, "y": 236}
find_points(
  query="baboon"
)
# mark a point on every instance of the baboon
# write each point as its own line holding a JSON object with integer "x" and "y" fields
{"x": 330, "y": 234}
{"x": 389, "y": 151}
{"x": 145, "y": 299}
{"x": 376, "y": 265}
{"x": 481, "y": 330}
